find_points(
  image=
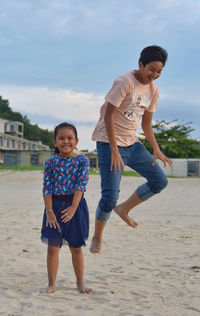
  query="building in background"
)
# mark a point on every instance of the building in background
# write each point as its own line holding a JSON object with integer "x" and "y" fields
{"x": 18, "y": 151}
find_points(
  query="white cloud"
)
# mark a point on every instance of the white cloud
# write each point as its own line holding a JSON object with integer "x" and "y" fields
{"x": 60, "y": 104}
{"x": 102, "y": 18}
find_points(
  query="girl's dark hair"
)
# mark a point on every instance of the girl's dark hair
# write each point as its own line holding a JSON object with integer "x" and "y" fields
{"x": 63, "y": 125}
{"x": 153, "y": 53}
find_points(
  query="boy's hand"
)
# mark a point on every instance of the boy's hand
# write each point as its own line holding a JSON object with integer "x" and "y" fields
{"x": 116, "y": 162}
{"x": 68, "y": 213}
{"x": 51, "y": 220}
{"x": 162, "y": 157}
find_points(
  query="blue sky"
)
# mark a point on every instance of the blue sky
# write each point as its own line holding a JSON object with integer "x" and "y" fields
{"x": 60, "y": 57}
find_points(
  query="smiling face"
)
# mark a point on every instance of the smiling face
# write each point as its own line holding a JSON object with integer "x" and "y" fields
{"x": 66, "y": 141}
{"x": 151, "y": 71}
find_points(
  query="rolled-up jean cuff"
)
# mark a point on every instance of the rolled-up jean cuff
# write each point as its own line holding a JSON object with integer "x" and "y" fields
{"x": 101, "y": 215}
{"x": 144, "y": 192}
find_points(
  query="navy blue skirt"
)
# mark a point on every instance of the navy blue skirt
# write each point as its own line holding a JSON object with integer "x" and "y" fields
{"x": 73, "y": 233}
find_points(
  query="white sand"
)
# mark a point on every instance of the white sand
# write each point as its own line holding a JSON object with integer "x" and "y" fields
{"x": 145, "y": 271}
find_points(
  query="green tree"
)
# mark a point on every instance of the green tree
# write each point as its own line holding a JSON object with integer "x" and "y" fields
{"x": 174, "y": 140}
{"x": 31, "y": 132}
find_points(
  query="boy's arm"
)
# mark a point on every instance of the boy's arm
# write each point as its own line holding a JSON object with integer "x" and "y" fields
{"x": 116, "y": 160}
{"x": 149, "y": 133}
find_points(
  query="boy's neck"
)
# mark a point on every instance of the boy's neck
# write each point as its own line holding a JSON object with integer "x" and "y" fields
{"x": 138, "y": 76}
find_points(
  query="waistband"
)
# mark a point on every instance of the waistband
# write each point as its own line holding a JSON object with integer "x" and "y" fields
{"x": 63, "y": 197}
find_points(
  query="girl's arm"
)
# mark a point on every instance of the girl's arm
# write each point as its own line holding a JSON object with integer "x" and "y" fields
{"x": 116, "y": 160}
{"x": 80, "y": 187}
{"x": 69, "y": 212}
{"x": 47, "y": 195}
{"x": 51, "y": 218}
{"x": 149, "y": 133}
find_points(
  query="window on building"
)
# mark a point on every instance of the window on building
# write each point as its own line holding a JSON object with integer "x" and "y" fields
{"x": 20, "y": 128}
{"x": 13, "y": 143}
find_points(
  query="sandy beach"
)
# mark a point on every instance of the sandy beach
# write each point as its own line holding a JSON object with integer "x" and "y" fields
{"x": 153, "y": 270}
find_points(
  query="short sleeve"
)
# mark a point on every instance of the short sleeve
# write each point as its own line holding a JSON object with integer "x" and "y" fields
{"x": 120, "y": 88}
{"x": 154, "y": 101}
{"x": 83, "y": 174}
{"x": 47, "y": 180}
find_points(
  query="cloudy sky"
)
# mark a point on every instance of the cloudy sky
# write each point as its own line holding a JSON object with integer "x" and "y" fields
{"x": 58, "y": 58}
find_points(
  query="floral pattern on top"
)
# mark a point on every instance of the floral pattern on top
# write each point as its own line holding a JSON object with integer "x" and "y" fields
{"x": 64, "y": 176}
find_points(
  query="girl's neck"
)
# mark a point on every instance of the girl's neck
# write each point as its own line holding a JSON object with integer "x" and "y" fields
{"x": 67, "y": 156}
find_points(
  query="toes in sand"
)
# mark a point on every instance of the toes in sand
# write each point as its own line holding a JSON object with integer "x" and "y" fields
{"x": 50, "y": 289}
{"x": 95, "y": 246}
{"x": 83, "y": 289}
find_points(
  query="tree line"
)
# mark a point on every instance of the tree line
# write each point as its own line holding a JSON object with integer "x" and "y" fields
{"x": 173, "y": 138}
{"x": 31, "y": 131}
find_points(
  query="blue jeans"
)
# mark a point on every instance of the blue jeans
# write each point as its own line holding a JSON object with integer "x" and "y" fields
{"x": 136, "y": 157}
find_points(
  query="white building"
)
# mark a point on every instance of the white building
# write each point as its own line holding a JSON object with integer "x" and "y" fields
{"x": 11, "y": 139}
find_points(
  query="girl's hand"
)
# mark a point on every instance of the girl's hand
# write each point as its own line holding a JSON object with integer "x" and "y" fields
{"x": 162, "y": 157}
{"x": 68, "y": 213}
{"x": 51, "y": 220}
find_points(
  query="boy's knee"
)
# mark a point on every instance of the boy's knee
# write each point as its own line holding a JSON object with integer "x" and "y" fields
{"x": 109, "y": 200}
{"x": 161, "y": 185}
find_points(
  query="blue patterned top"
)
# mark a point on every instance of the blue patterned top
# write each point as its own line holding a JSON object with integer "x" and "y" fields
{"x": 64, "y": 176}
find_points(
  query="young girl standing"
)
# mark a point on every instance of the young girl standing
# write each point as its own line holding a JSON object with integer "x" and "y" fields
{"x": 66, "y": 217}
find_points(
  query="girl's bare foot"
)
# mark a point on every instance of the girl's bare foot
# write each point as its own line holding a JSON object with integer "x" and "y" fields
{"x": 121, "y": 212}
{"x": 95, "y": 246}
{"x": 83, "y": 289}
{"x": 51, "y": 289}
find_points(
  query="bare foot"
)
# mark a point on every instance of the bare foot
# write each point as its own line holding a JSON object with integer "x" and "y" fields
{"x": 125, "y": 217}
{"x": 95, "y": 246}
{"x": 83, "y": 289}
{"x": 51, "y": 289}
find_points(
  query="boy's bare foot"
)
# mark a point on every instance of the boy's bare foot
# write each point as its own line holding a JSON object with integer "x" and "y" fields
{"x": 83, "y": 289}
{"x": 95, "y": 246}
{"x": 51, "y": 289}
{"x": 120, "y": 211}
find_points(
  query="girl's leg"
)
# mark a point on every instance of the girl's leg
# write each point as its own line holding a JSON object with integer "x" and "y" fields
{"x": 141, "y": 161}
{"x": 52, "y": 267}
{"x": 78, "y": 265}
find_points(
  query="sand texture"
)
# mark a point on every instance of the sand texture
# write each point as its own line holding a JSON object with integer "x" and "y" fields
{"x": 153, "y": 270}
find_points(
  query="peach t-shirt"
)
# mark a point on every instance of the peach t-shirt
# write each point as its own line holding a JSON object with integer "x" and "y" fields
{"x": 132, "y": 99}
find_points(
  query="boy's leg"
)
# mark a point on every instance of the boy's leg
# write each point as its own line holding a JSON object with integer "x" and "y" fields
{"x": 141, "y": 161}
{"x": 124, "y": 208}
{"x": 110, "y": 183}
{"x": 52, "y": 267}
{"x": 78, "y": 265}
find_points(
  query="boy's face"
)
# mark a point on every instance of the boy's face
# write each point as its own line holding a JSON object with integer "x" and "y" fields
{"x": 150, "y": 71}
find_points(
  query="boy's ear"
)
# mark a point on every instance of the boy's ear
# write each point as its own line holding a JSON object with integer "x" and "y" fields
{"x": 140, "y": 64}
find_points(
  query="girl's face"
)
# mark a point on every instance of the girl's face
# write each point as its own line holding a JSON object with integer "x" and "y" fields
{"x": 149, "y": 72}
{"x": 66, "y": 141}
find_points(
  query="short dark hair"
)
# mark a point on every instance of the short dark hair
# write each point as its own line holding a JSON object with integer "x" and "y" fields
{"x": 64, "y": 125}
{"x": 153, "y": 53}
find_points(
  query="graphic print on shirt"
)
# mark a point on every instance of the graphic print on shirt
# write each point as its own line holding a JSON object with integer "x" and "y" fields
{"x": 136, "y": 109}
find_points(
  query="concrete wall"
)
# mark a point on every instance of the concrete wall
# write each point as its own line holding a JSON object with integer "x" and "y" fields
{"x": 180, "y": 167}
{"x": 25, "y": 157}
